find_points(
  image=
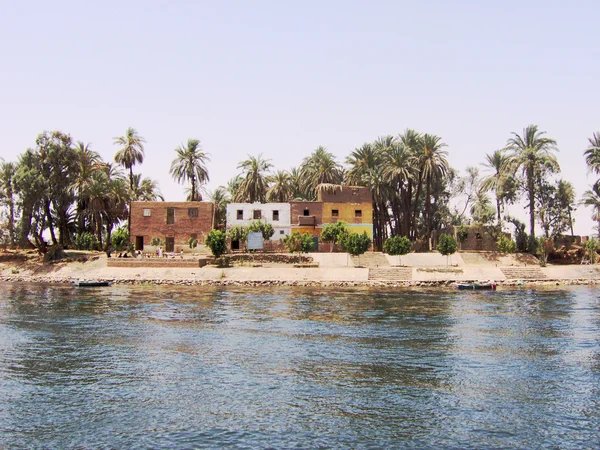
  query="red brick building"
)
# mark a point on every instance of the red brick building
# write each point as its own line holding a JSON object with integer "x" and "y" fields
{"x": 174, "y": 223}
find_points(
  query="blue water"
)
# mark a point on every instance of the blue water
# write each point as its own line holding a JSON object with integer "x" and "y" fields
{"x": 194, "y": 367}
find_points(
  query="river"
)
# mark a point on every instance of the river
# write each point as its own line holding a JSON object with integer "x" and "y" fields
{"x": 207, "y": 367}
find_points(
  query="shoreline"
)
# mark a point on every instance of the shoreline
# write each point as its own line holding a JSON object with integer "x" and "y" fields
{"x": 28, "y": 279}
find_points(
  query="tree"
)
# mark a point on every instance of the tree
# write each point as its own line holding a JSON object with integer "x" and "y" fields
{"x": 506, "y": 244}
{"x": 217, "y": 242}
{"x": 190, "y": 165}
{"x": 298, "y": 243}
{"x": 591, "y": 198}
{"x": 565, "y": 193}
{"x": 462, "y": 234}
{"x": 238, "y": 233}
{"x": 482, "y": 210}
{"x": 220, "y": 199}
{"x": 356, "y": 244}
{"x": 447, "y": 246}
{"x": 120, "y": 239}
{"x": 319, "y": 168}
{"x": 397, "y": 245}
{"x": 592, "y": 153}
{"x": 433, "y": 165}
{"x": 131, "y": 151}
{"x": 591, "y": 247}
{"x": 258, "y": 226}
{"x": 7, "y": 190}
{"x": 253, "y": 187}
{"x": 500, "y": 180}
{"x": 145, "y": 190}
{"x": 334, "y": 233}
{"x": 280, "y": 188}
{"x": 533, "y": 155}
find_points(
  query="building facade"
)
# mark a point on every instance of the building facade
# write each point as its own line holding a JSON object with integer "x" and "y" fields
{"x": 174, "y": 223}
{"x": 351, "y": 204}
{"x": 276, "y": 214}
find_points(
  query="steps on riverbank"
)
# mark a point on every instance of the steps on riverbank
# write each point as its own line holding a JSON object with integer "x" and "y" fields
{"x": 371, "y": 259}
{"x": 390, "y": 274}
{"x": 522, "y": 273}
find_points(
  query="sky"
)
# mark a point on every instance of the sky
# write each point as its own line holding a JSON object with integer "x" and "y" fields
{"x": 280, "y": 78}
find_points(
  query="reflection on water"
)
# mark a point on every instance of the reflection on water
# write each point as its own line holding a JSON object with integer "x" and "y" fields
{"x": 293, "y": 367}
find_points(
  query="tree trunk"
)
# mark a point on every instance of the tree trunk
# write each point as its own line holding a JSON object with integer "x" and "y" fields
{"x": 50, "y": 226}
{"x": 498, "y": 210}
{"x": 531, "y": 193}
{"x": 418, "y": 194}
{"x": 428, "y": 207}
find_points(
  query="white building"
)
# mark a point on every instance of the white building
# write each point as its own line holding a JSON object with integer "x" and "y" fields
{"x": 277, "y": 214}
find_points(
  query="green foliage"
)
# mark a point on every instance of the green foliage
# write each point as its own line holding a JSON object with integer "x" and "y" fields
{"x": 217, "y": 242}
{"x": 533, "y": 245}
{"x": 86, "y": 241}
{"x": 298, "y": 243}
{"x": 544, "y": 248}
{"x": 506, "y": 244}
{"x": 238, "y": 233}
{"x": 462, "y": 233}
{"x": 156, "y": 242}
{"x": 446, "y": 245}
{"x": 591, "y": 247}
{"x": 397, "y": 245}
{"x": 521, "y": 237}
{"x": 258, "y": 226}
{"x": 193, "y": 242}
{"x": 356, "y": 244}
{"x": 120, "y": 239}
{"x": 335, "y": 233}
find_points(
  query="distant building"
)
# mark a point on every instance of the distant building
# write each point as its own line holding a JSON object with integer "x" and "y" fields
{"x": 174, "y": 223}
{"x": 276, "y": 214}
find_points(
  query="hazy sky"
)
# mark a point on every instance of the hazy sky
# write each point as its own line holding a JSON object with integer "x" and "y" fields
{"x": 281, "y": 78}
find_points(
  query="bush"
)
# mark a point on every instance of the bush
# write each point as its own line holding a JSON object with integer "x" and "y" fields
{"x": 86, "y": 241}
{"x": 447, "y": 245}
{"x": 266, "y": 229}
{"x": 356, "y": 244}
{"x": 298, "y": 243}
{"x": 533, "y": 245}
{"x": 462, "y": 234}
{"x": 506, "y": 245}
{"x": 397, "y": 245}
{"x": 217, "y": 242}
{"x": 120, "y": 239}
{"x": 238, "y": 233}
{"x": 335, "y": 233}
{"x": 193, "y": 242}
{"x": 54, "y": 253}
{"x": 591, "y": 247}
{"x": 156, "y": 242}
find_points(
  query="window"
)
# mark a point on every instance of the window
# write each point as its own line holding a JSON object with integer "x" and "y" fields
{"x": 147, "y": 212}
{"x": 170, "y": 216}
{"x": 281, "y": 232}
{"x": 193, "y": 212}
{"x": 355, "y": 191}
{"x": 240, "y": 214}
{"x": 193, "y": 236}
{"x": 256, "y": 214}
{"x": 275, "y": 215}
{"x": 306, "y": 212}
{"x": 358, "y": 213}
{"x": 335, "y": 213}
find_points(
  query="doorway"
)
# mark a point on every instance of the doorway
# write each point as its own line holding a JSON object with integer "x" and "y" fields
{"x": 170, "y": 244}
{"x": 139, "y": 242}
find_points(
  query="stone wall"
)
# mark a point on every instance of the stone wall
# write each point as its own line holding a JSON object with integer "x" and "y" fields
{"x": 154, "y": 262}
{"x": 479, "y": 238}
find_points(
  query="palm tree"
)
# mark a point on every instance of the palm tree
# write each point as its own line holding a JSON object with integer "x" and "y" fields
{"x": 220, "y": 199}
{"x": 88, "y": 162}
{"x": 145, "y": 190}
{"x": 433, "y": 165}
{"x": 190, "y": 165}
{"x": 280, "y": 188}
{"x": 320, "y": 168}
{"x": 253, "y": 187}
{"x": 361, "y": 161}
{"x": 591, "y": 197}
{"x": 532, "y": 153}
{"x": 131, "y": 152}
{"x": 565, "y": 194}
{"x": 500, "y": 165}
{"x": 592, "y": 154}
{"x": 398, "y": 173}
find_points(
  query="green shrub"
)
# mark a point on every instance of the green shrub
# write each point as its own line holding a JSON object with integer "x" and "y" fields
{"x": 591, "y": 247}
{"x": 397, "y": 245}
{"x": 238, "y": 233}
{"x": 156, "y": 242}
{"x": 335, "y": 233}
{"x": 258, "y": 226}
{"x": 356, "y": 244}
{"x": 193, "y": 242}
{"x": 462, "y": 233}
{"x": 120, "y": 239}
{"x": 86, "y": 241}
{"x": 506, "y": 244}
{"x": 217, "y": 242}
{"x": 447, "y": 245}
{"x": 54, "y": 253}
{"x": 298, "y": 243}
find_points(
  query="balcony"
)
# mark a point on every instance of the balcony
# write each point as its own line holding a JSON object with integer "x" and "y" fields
{"x": 307, "y": 221}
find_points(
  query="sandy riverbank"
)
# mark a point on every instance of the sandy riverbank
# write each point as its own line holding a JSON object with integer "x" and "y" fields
{"x": 335, "y": 270}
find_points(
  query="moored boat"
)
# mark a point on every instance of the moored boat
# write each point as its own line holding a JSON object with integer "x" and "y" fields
{"x": 477, "y": 285}
{"x": 87, "y": 283}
